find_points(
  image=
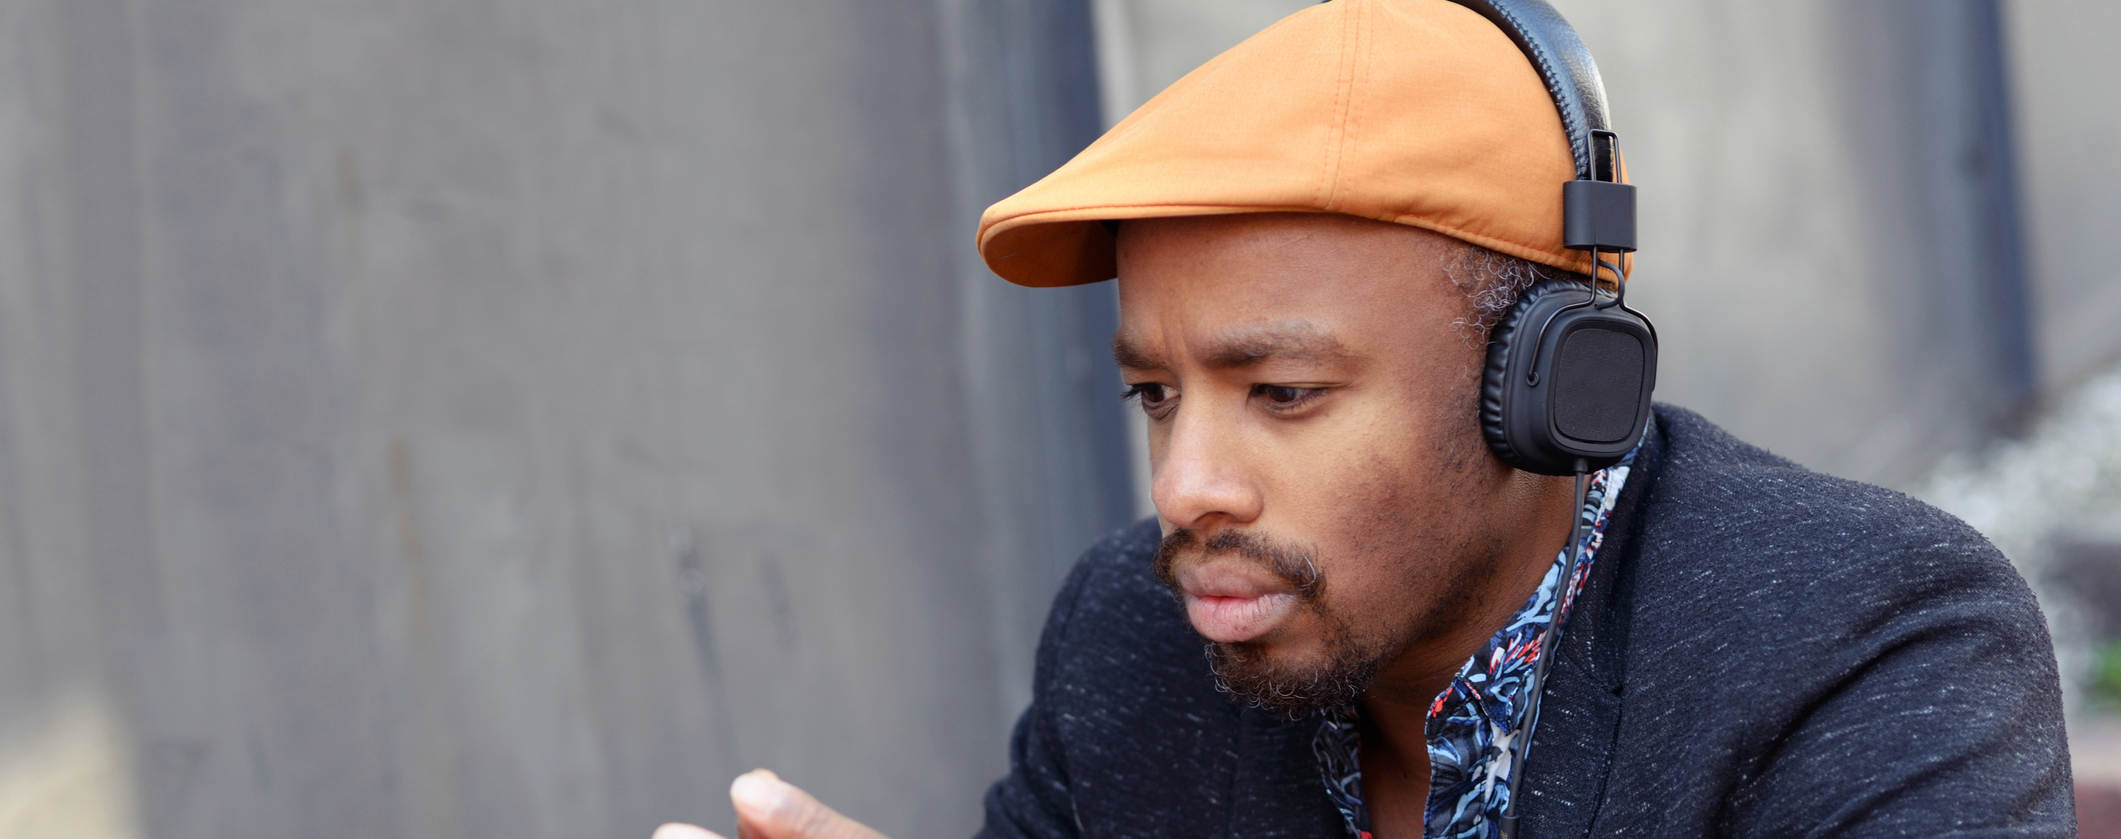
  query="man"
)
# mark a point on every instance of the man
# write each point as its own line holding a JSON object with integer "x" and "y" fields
{"x": 1314, "y": 237}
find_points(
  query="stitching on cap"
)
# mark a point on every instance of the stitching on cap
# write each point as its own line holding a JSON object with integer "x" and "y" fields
{"x": 1343, "y": 79}
{"x": 1351, "y": 126}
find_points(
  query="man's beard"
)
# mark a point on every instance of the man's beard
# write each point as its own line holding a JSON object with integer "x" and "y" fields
{"x": 1244, "y": 670}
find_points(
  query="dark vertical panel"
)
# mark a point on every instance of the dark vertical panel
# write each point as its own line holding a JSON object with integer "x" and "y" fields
{"x": 2005, "y": 288}
{"x": 1921, "y": 88}
{"x": 1054, "y": 453}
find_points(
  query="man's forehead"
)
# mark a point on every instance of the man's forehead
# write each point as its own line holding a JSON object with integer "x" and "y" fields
{"x": 1234, "y": 291}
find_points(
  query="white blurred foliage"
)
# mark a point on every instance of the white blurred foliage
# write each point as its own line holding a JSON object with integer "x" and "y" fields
{"x": 2063, "y": 477}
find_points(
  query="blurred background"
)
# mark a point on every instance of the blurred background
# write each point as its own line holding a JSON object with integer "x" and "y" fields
{"x": 513, "y": 418}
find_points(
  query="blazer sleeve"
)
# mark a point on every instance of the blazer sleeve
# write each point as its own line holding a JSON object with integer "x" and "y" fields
{"x": 1944, "y": 720}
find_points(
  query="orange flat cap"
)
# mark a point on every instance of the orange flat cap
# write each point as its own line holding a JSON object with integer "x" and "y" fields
{"x": 1417, "y": 112}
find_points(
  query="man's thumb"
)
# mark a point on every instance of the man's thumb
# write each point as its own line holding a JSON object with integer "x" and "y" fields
{"x": 774, "y": 809}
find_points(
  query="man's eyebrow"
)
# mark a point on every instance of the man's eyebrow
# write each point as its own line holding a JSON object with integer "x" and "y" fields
{"x": 1244, "y": 348}
{"x": 1299, "y": 342}
{"x": 1132, "y": 357}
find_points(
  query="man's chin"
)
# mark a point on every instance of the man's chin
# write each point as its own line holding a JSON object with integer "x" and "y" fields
{"x": 1293, "y": 686}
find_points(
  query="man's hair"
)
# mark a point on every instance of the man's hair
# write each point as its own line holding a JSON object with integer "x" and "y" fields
{"x": 1493, "y": 281}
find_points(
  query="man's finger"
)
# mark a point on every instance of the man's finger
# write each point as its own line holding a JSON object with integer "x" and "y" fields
{"x": 770, "y": 808}
{"x": 679, "y": 830}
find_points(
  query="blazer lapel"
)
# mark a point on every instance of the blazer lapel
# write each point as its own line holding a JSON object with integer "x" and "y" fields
{"x": 1571, "y": 752}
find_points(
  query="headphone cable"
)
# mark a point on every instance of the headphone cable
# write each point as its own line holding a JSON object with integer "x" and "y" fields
{"x": 1536, "y": 690}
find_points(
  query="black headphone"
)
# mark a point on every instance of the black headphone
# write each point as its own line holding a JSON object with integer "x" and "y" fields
{"x": 1570, "y": 368}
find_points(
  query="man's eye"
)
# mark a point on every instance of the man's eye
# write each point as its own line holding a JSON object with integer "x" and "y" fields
{"x": 1151, "y": 395}
{"x": 1283, "y": 396}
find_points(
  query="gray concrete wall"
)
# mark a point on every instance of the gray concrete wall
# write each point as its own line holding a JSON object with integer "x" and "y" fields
{"x": 513, "y": 419}
{"x": 2065, "y": 72}
{"x": 1813, "y": 174}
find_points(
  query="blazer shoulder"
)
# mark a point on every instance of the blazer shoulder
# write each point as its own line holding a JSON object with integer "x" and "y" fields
{"x": 1714, "y": 490}
{"x": 1772, "y": 610}
{"x": 1724, "y": 522}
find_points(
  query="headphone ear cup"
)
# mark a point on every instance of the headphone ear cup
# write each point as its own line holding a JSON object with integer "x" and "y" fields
{"x": 1494, "y": 376}
{"x": 1566, "y": 382}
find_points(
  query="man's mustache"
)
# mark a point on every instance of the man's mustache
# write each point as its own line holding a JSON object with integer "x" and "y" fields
{"x": 1290, "y": 565}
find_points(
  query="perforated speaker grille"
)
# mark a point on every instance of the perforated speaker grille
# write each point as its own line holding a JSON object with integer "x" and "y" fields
{"x": 1597, "y": 384}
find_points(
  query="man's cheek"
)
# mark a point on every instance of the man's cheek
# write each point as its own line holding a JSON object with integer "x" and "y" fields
{"x": 1370, "y": 601}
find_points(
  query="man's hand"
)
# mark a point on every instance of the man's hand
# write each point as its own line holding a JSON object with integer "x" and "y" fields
{"x": 770, "y": 808}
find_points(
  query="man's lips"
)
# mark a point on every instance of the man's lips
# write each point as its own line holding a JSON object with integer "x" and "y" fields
{"x": 1228, "y": 602}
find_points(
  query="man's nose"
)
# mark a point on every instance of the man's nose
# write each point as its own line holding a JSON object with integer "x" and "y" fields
{"x": 1202, "y": 478}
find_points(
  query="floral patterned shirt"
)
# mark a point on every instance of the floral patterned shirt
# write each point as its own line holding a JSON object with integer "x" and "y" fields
{"x": 1474, "y": 722}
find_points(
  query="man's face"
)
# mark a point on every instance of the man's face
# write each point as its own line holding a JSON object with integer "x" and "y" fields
{"x": 1324, "y": 492}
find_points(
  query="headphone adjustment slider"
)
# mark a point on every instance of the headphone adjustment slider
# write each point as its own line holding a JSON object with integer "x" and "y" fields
{"x": 1598, "y": 214}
